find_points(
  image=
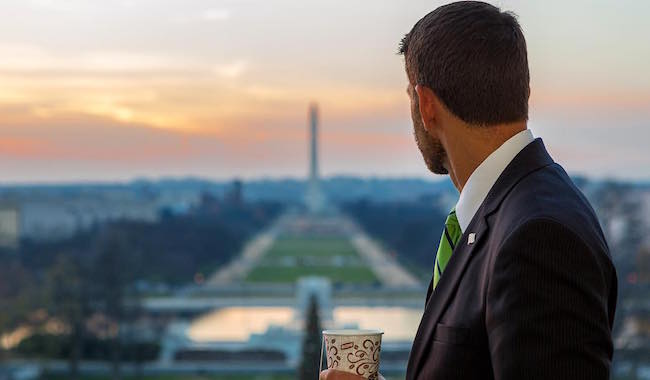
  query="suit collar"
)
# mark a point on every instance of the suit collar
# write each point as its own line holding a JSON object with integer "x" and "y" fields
{"x": 484, "y": 176}
{"x": 532, "y": 157}
{"x": 529, "y": 159}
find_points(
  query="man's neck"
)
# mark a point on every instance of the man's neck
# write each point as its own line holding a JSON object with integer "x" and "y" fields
{"x": 468, "y": 146}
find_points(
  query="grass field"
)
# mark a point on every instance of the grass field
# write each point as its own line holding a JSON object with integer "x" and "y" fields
{"x": 310, "y": 247}
{"x": 291, "y": 274}
{"x": 288, "y": 259}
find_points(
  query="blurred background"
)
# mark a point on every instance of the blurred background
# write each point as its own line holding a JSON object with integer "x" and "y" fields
{"x": 193, "y": 190}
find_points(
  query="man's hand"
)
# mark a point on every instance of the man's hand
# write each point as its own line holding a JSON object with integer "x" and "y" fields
{"x": 333, "y": 374}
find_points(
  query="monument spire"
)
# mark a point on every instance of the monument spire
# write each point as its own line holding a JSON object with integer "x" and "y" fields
{"x": 314, "y": 198}
{"x": 313, "y": 126}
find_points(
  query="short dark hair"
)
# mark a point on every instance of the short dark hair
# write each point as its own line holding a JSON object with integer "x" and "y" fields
{"x": 473, "y": 56}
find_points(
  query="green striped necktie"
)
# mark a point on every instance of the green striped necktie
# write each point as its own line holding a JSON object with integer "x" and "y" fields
{"x": 448, "y": 240}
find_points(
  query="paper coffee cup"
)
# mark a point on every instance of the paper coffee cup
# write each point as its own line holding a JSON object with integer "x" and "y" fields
{"x": 354, "y": 351}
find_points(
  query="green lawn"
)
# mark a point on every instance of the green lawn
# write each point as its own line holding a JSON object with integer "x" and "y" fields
{"x": 288, "y": 259}
{"x": 290, "y": 274}
{"x": 310, "y": 247}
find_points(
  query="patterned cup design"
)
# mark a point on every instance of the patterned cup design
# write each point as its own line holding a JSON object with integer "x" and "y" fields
{"x": 354, "y": 351}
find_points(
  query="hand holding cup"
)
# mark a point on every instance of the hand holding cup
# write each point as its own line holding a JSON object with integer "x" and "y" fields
{"x": 335, "y": 374}
{"x": 353, "y": 352}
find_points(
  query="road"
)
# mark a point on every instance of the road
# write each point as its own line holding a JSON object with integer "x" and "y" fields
{"x": 386, "y": 268}
{"x": 389, "y": 272}
{"x": 237, "y": 269}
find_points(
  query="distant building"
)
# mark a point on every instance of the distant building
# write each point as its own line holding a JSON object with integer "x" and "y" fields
{"x": 234, "y": 196}
{"x": 9, "y": 225}
{"x": 642, "y": 266}
{"x": 45, "y": 217}
{"x": 321, "y": 288}
{"x": 208, "y": 204}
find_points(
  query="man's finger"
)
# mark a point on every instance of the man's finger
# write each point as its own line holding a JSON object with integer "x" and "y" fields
{"x": 323, "y": 375}
{"x": 333, "y": 374}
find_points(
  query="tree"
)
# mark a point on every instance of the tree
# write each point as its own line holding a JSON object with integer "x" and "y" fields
{"x": 311, "y": 345}
{"x": 19, "y": 295}
{"x": 113, "y": 273}
{"x": 643, "y": 264}
{"x": 67, "y": 285}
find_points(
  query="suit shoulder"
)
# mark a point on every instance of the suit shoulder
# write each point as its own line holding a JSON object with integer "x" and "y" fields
{"x": 549, "y": 195}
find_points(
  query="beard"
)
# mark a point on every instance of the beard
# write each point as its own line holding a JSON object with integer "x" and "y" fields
{"x": 433, "y": 152}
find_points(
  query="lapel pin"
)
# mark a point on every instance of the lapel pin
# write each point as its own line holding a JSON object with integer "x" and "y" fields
{"x": 471, "y": 238}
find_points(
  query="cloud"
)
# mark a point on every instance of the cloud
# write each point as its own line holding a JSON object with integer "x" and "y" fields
{"x": 128, "y": 61}
{"x": 24, "y": 58}
{"x": 215, "y": 14}
{"x": 59, "y": 6}
{"x": 207, "y": 15}
{"x": 95, "y": 138}
{"x": 231, "y": 70}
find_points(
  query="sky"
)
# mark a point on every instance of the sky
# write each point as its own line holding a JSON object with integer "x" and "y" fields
{"x": 114, "y": 90}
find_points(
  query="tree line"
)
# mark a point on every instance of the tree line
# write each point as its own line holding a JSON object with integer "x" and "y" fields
{"x": 78, "y": 298}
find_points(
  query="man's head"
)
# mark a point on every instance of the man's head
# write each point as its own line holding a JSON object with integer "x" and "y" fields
{"x": 467, "y": 61}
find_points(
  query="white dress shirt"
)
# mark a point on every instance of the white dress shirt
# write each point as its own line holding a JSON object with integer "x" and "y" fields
{"x": 485, "y": 175}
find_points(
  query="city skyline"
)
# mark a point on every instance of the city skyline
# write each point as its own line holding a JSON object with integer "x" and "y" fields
{"x": 97, "y": 91}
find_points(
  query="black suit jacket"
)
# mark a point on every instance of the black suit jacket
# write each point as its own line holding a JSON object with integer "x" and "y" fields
{"x": 533, "y": 297}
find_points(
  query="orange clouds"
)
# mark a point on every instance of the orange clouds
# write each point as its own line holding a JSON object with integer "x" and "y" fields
{"x": 22, "y": 147}
{"x": 92, "y": 88}
{"x": 85, "y": 137}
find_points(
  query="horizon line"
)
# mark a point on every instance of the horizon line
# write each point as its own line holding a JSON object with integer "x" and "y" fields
{"x": 271, "y": 178}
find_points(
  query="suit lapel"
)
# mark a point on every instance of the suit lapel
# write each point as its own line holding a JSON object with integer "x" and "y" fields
{"x": 438, "y": 298}
{"x": 529, "y": 159}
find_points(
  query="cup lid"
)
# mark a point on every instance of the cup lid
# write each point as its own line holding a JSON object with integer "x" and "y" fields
{"x": 352, "y": 332}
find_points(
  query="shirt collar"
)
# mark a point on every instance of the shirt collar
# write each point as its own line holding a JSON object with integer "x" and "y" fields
{"x": 485, "y": 175}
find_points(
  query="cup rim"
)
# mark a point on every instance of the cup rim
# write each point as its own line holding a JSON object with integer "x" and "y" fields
{"x": 352, "y": 332}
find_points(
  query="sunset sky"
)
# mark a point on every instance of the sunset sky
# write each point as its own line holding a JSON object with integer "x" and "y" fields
{"x": 113, "y": 90}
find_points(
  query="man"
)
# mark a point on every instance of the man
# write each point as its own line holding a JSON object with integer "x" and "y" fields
{"x": 523, "y": 284}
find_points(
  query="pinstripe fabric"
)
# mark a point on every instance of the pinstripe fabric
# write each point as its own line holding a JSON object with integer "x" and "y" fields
{"x": 534, "y": 297}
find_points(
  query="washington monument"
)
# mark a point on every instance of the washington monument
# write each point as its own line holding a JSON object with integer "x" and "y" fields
{"x": 314, "y": 198}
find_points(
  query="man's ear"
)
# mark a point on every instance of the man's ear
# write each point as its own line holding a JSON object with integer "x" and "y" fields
{"x": 427, "y": 102}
